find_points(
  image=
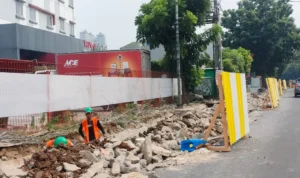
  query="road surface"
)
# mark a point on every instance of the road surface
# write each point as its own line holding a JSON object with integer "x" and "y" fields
{"x": 272, "y": 152}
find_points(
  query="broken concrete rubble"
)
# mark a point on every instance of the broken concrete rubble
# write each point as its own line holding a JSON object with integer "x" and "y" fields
{"x": 132, "y": 158}
{"x": 88, "y": 155}
{"x": 160, "y": 151}
{"x": 94, "y": 169}
{"x": 116, "y": 169}
{"x": 153, "y": 147}
{"x": 134, "y": 175}
{"x": 146, "y": 149}
{"x": 70, "y": 167}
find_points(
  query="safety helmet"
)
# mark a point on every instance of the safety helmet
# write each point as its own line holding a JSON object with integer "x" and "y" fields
{"x": 88, "y": 110}
{"x": 60, "y": 140}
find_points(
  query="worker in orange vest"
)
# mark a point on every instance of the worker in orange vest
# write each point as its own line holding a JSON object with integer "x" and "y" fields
{"x": 90, "y": 128}
{"x": 58, "y": 141}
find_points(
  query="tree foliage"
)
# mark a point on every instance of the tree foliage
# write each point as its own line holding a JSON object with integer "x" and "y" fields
{"x": 237, "y": 60}
{"x": 292, "y": 69}
{"x": 156, "y": 25}
{"x": 266, "y": 28}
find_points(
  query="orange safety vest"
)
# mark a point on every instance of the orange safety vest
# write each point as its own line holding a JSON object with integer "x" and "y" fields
{"x": 85, "y": 129}
{"x": 50, "y": 143}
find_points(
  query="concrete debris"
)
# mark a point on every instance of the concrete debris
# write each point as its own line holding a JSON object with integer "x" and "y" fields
{"x": 116, "y": 169}
{"x": 102, "y": 175}
{"x": 84, "y": 163}
{"x": 89, "y": 156}
{"x": 130, "y": 144}
{"x": 143, "y": 163}
{"x": 134, "y": 175}
{"x": 176, "y": 126}
{"x": 132, "y": 158}
{"x": 157, "y": 159}
{"x": 152, "y": 174}
{"x": 154, "y": 145}
{"x": 70, "y": 167}
{"x": 120, "y": 159}
{"x": 146, "y": 149}
{"x": 94, "y": 169}
{"x": 151, "y": 167}
{"x": 4, "y": 158}
{"x": 160, "y": 151}
{"x": 120, "y": 152}
{"x": 170, "y": 145}
{"x": 135, "y": 168}
{"x": 108, "y": 153}
{"x": 97, "y": 152}
{"x": 59, "y": 168}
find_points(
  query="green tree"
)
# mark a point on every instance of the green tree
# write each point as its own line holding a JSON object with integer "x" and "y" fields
{"x": 292, "y": 69}
{"x": 266, "y": 28}
{"x": 156, "y": 65}
{"x": 237, "y": 60}
{"x": 156, "y": 25}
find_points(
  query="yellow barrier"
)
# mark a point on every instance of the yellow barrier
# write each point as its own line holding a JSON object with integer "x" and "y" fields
{"x": 284, "y": 85}
{"x": 280, "y": 87}
{"x": 273, "y": 91}
{"x": 235, "y": 94}
{"x": 233, "y": 98}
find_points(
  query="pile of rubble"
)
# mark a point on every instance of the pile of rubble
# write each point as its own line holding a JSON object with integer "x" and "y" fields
{"x": 256, "y": 101}
{"x": 133, "y": 152}
{"x": 154, "y": 147}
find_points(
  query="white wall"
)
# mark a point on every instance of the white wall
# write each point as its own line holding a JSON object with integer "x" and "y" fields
{"x": 22, "y": 94}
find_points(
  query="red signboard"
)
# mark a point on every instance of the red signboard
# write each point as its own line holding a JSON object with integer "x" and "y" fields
{"x": 89, "y": 45}
{"x": 106, "y": 63}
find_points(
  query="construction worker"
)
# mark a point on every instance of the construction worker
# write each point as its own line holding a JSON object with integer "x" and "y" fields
{"x": 90, "y": 127}
{"x": 58, "y": 141}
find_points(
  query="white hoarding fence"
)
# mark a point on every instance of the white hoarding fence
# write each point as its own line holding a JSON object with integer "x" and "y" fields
{"x": 30, "y": 93}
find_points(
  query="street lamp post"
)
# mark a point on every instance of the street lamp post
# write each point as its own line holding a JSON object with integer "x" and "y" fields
{"x": 179, "y": 101}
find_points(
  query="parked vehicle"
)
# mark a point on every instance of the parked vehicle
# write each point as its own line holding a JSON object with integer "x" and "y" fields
{"x": 297, "y": 87}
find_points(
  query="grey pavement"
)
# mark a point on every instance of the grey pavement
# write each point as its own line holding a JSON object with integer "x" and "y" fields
{"x": 273, "y": 151}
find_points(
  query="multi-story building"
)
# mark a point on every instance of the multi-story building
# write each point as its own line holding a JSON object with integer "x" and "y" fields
{"x": 92, "y": 42}
{"x": 50, "y": 15}
{"x": 31, "y": 28}
{"x": 100, "y": 39}
{"x": 88, "y": 36}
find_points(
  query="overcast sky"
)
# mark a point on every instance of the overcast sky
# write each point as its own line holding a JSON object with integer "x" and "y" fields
{"x": 115, "y": 18}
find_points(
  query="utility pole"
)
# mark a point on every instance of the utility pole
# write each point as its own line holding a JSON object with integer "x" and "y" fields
{"x": 218, "y": 43}
{"x": 179, "y": 102}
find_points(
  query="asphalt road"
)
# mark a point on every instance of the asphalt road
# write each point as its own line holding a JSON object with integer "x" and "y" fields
{"x": 272, "y": 152}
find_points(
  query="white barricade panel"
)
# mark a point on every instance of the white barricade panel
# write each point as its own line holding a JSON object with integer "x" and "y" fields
{"x": 147, "y": 88}
{"x": 155, "y": 88}
{"x": 105, "y": 91}
{"x": 166, "y": 87}
{"x": 33, "y": 93}
{"x": 69, "y": 92}
{"x": 22, "y": 94}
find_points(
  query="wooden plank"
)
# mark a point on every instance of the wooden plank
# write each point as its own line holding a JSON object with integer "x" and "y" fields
{"x": 212, "y": 123}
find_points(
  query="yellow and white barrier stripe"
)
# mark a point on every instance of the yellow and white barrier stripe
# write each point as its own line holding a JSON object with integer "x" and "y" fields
{"x": 280, "y": 87}
{"x": 273, "y": 91}
{"x": 284, "y": 85}
{"x": 235, "y": 94}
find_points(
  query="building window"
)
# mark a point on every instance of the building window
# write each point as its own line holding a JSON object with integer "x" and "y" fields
{"x": 72, "y": 29}
{"x": 19, "y": 8}
{"x": 71, "y": 3}
{"x": 32, "y": 14}
{"x": 62, "y": 25}
{"x": 50, "y": 22}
